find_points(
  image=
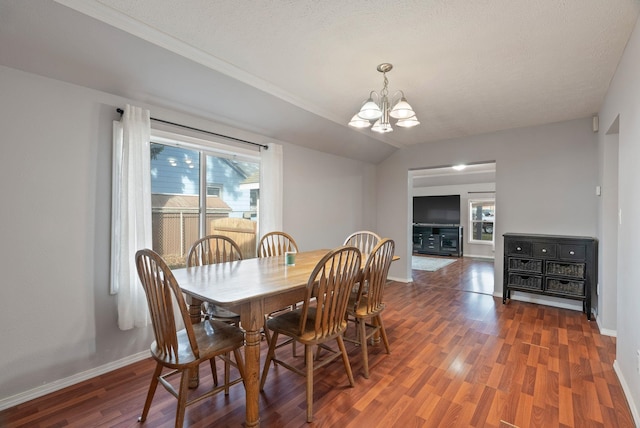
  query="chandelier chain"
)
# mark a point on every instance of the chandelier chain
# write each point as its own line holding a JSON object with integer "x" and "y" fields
{"x": 385, "y": 90}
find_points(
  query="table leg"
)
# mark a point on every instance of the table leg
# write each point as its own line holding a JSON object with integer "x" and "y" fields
{"x": 195, "y": 313}
{"x": 252, "y": 320}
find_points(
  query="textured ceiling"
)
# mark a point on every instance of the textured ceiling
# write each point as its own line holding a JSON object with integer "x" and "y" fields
{"x": 465, "y": 67}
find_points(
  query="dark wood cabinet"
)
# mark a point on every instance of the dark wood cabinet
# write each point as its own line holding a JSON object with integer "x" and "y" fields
{"x": 561, "y": 266}
{"x": 437, "y": 239}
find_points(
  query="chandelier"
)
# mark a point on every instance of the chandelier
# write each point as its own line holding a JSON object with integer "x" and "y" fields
{"x": 380, "y": 110}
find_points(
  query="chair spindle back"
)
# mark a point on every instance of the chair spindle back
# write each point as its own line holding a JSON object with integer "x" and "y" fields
{"x": 276, "y": 244}
{"x": 213, "y": 249}
{"x": 375, "y": 275}
{"x": 330, "y": 283}
{"x": 163, "y": 296}
{"x": 364, "y": 240}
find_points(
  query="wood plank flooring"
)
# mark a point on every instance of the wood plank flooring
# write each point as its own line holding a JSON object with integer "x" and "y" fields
{"x": 459, "y": 358}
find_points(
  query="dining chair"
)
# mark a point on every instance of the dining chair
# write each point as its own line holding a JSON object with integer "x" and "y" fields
{"x": 275, "y": 244}
{"x": 363, "y": 240}
{"x": 368, "y": 303}
{"x": 213, "y": 249}
{"x": 182, "y": 350}
{"x": 321, "y": 318}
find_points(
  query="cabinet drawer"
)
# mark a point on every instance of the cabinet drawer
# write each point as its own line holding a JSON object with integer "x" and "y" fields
{"x": 525, "y": 265}
{"x": 544, "y": 249}
{"x": 522, "y": 248}
{"x": 525, "y": 281}
{"x": 566, "y": 287}
{"x": 574, "y": 270}
{"x": 572, "y": 252}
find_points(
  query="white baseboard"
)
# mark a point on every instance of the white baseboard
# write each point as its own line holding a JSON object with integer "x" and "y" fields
{"x": 473, "y": 256}
{"x": 605, "y": 331}
{"x": 627, "y": 393}
{"x": 398, "y": 279}
{"x": 59, "y": 384}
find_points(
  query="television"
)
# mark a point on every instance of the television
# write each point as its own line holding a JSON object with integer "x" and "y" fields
{"x": 437, "y": 209}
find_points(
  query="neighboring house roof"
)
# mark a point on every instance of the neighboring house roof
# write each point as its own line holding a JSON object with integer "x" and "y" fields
{"x": 254, "y": 178}
{"x": 176, "y": 202}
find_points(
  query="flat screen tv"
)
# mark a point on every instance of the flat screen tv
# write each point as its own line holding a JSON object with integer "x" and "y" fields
{"x": 436, "y": 209}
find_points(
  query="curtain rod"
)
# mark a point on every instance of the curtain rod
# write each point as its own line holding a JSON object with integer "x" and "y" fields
{"x": 202, "y": 130}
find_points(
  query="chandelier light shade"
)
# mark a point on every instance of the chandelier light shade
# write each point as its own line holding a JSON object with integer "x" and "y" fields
{"x": 408, "y": 122}
{"x": 380, "y": 110}
{"x": 370, "y": 110}
{"x": 358, "y": 122}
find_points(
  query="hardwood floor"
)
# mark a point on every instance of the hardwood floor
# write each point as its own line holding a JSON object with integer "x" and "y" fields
{"x": 459, "y": 358}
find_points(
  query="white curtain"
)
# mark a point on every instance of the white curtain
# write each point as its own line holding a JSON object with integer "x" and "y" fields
{"x": 131, "y": 213}
{"x": 271, "y": 182}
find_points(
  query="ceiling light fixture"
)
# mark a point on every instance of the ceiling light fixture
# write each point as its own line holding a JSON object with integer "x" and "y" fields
{"x": 380, "y": 110}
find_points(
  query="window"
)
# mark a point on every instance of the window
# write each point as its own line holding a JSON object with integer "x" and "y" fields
{"x": 197, "y": 190}
{"x": 255, "y": 196}
{"x": 214, "y": 190}
{"x": 481, "y": 220}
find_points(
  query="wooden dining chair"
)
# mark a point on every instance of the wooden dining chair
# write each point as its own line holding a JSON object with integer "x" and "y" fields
{"x": 320, "y": 319}
{"x": 182, "y": 350}
{"x": 275, "y": 244}
{"x": 363, "y": 240}
{"x": 367, "y": 303}
{"x": 213, "y": 249}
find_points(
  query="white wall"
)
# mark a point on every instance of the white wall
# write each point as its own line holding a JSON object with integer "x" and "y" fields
{"x": 466, "y": 192}
{"x": 608, "y": 233}
{"x": 58, "y": 319}
{"x": 623, "y": 103}
{"x": 326, "y": 197}
{"x": 545, "y": 181}
{"x": 57, "y": 316}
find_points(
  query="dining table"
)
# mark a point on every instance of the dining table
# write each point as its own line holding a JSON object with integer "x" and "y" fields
{"x": 251, "y": 288}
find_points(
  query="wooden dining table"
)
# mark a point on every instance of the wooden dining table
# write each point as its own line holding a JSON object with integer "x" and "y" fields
{"x": 251, "y": 288}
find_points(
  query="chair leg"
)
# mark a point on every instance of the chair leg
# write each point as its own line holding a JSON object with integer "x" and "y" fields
{"x": 239, "y": 363}
{"x": 345, "y": 360}
{"x": 383, "y": 333}
{"x": 267, "y": 335}
{"x": 293, "y": 343}
{"x": 152, "y": 390}
{"x": 214, "y": 371}
{"x": 308, "y": 355}
{"x": 363, "y": 344}
{"x": 266, "y": 330}
{"x": 182, "y": 398}
{"x": 227, "y": 373}
{"x": 267, "y": 362}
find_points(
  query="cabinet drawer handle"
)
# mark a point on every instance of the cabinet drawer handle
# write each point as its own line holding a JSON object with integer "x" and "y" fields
{"x": 518, "y": 248}
{"x": 544, "y": 250}
{"x": 572, "y": 253}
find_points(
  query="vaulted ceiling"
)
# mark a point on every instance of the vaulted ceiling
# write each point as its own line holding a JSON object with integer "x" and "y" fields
{"x": 297, "y": 70}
